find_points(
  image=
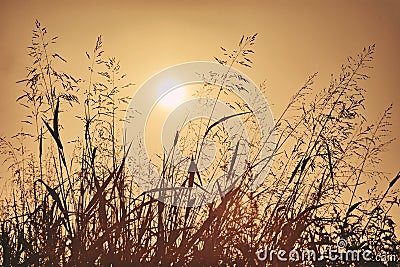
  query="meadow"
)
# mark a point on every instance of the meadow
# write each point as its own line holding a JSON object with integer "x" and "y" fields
{"x": 75, "y": 203}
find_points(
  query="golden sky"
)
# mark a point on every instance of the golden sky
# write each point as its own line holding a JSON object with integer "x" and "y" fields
{"x": 296, "y": 39}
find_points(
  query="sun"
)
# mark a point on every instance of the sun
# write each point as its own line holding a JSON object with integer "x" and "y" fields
{"x": 173, "y": 99}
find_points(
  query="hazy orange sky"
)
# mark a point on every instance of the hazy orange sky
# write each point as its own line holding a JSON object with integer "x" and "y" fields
{"x": 296, "y": 39}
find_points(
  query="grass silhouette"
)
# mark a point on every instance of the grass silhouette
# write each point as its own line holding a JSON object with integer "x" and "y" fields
{"x": 77, "y": 205}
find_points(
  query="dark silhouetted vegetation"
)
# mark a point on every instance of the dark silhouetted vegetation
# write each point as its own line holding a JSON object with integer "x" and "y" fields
{"x": 75, "y": 203}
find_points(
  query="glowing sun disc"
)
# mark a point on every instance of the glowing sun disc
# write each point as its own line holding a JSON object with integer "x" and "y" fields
{"x": 173, "y": 99}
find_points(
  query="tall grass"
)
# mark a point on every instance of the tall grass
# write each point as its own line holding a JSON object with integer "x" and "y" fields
{"x": 75, "y": 203}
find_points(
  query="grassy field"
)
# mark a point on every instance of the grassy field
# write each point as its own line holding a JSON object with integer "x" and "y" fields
{"x": 76, "y": 204}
